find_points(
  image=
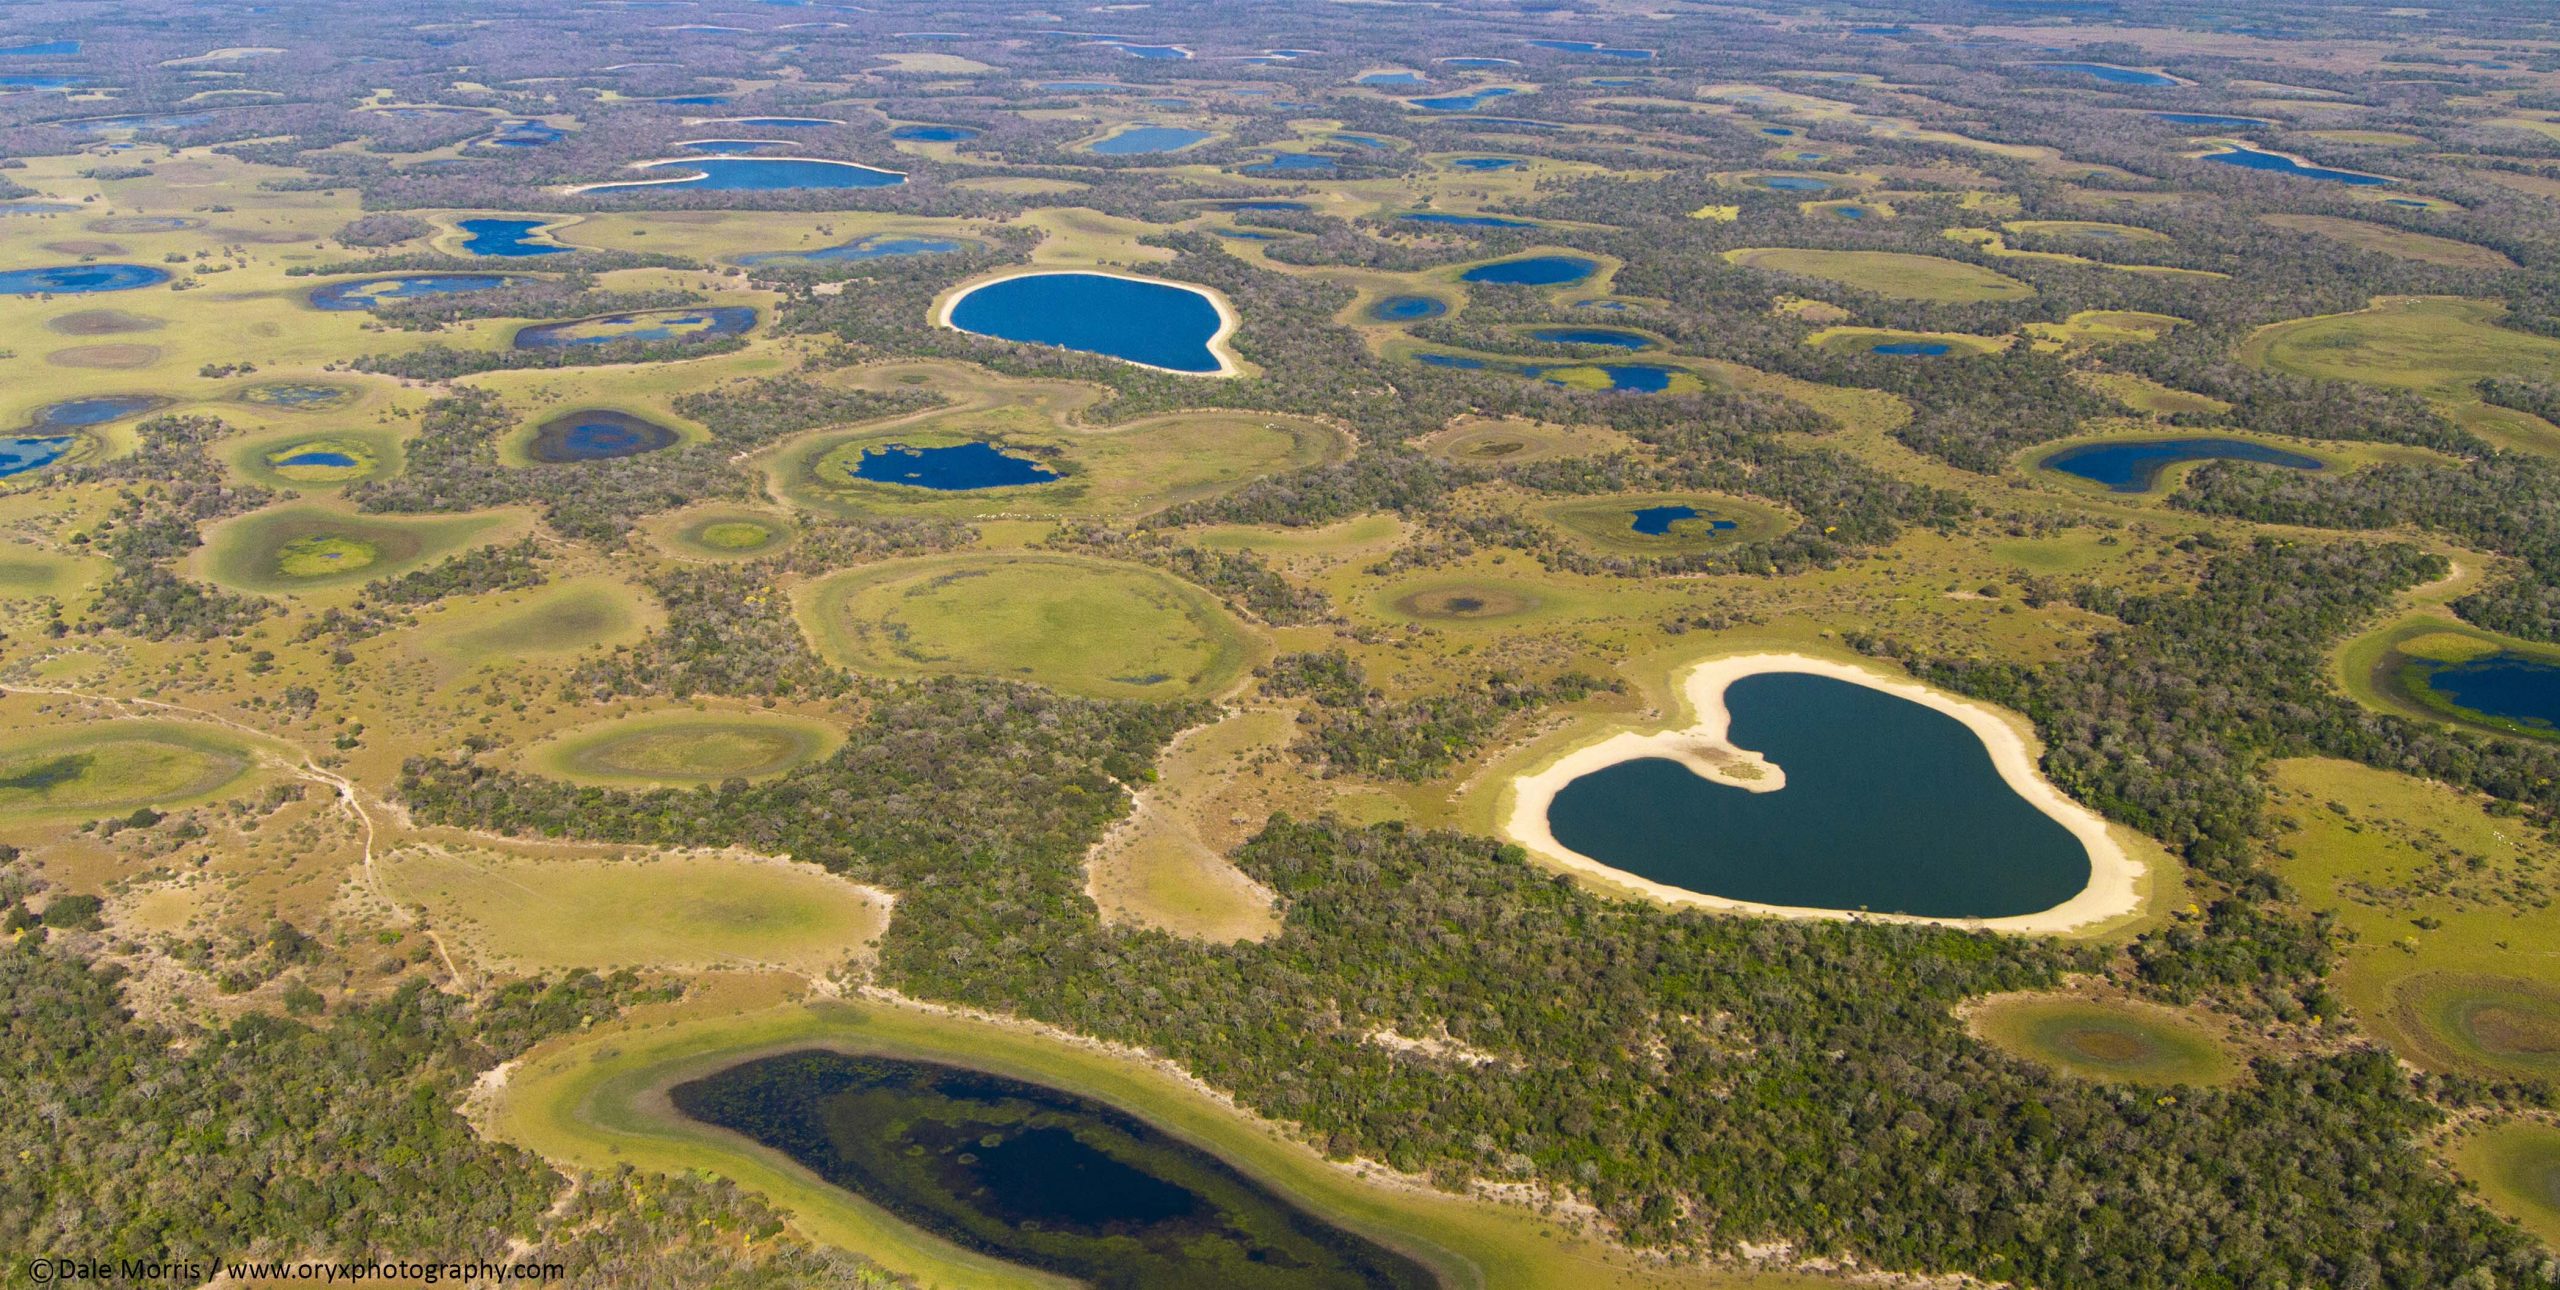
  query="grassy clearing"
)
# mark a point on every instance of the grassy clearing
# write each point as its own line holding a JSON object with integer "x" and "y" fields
{"x": 1082, "y": 626}
{"x": 1166, "y": 865}
{"x": 529, "y": 913}
{"x": 1480, "y": 442}
{"x": 2115, "y": 1041}
{"x": 2386, "y": 240}
{"x": 593, "y": 1101}
{"x": 1893, "y": 274}
{"x": 305, "y": 548}
{"x": 721, "y": 532}
{"x": 2093, "y": 327}
{"x": 2435, "y": 346}
{"x": 305, "y": 461}
{"x": 1606, "y": 525}
{"x": 113, "y": 767}
{"x": 2145, "y": 395}
{"x": 1860, "y": 340}
{"x": 2516, "y": 1164}
{"x": 2453, "y": 950}
{"x": 685, "y": 748}
{"x": 558, "y": 620}
{"x": 2086, "y": 230}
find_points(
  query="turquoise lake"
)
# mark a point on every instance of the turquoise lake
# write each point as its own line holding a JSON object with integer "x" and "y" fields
{"x": 959, "y": 467}
{"x": 1888, "y": 806}
{"x": 505, "y": 237}
{"x": 2135, "y": 467}
{"x": 1139, "y": 321}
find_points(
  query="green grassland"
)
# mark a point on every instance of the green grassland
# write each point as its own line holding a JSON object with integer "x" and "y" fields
{"x": 1896, "y": 275}
{"x": 597, "y": 1101}
{"x": 524, "y": 911}
{"x": 1166, "y": 866}
{"x": 303, "y": 548}
{"x": 685, "y": 748}
{"x": 1477, "y": 441}
{"x": 2094, "y": 327}
{"x": 2115, "y": 1041}
{"x": 2516, "y": 1165}
{"x": 267, "y": 459}
{"x": 2434, "y": 346}
{"x": 2150, "y": 396}
{"x": 2453, "y": 950}
{"x": 2089, "y": 230}
{"x": 557, "y": 620}
{"x": 1605, "y": 526}
{"x": 112, "y": 767}
{"x": 1083, "y": 626}
{"x": 721, "y": 532}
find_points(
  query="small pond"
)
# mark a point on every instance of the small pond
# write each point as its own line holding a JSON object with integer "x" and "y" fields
{"x": 2135, "y": 466}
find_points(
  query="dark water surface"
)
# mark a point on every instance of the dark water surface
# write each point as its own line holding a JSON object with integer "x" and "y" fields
{"x": 1035, "y": 1175}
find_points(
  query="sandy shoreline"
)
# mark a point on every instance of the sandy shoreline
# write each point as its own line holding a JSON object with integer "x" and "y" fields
{"x": 1228, "y": 363}
{"x": 2114, "y": 887}
{"x": 656, "y": 162}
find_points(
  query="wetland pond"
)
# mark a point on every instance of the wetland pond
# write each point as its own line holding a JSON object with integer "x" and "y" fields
{"x": 1407, "y": 309}
{"x": 1140, "y": 140}
{"x": 596, "y": 434}
{"x": 954, "y": 468}
{"x": 2277, "y": 163}
{"x": 1136, "y": 320}
{"x": 880, "y": 246}
{"x": 1536, "y": 271}
{"x": 757, "y": 175}
{"x": 687, "y": 325}
{"x": 1886, "y": 805}
{"x": 79, "y": 279}
{"x": 1034, "y": 1175}
{"x": 506, "y": 237}
{"x": 2135, "y": 467}
{"x": 365, "y": 293}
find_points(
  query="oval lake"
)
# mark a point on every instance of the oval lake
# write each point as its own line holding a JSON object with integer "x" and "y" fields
{"x": 1136, "y": 320}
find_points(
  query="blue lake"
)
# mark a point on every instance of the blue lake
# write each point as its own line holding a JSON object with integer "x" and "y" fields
{"x": 1488, "y": 163}
{"x": 1593, "y": 47}
{"x": 36, "y": 208}
{"x": 317, "y": 457}
{"x": 1466, "y": 221}
{"x": 1364, "y": 141}
{"x": 1149, "y": 138}
{"x": 1477, "y": 64}
{"x": 933, "y": 134}
{"x": 2279, "y": 164}
{"x": 2111, "y": 75}
{"x": 80, "y": 279}
{"x": 1136, "y": 320}
{"x": 1791, "y": 183}
{"x": 1656, "y": 521}
{"x": 1503, "y": 123}
{"x": 596, "y": 434}
{"x": 694, "y": 100}
{"x": 93, "y": 411}
{"x": 660, "y": 325}
{"x": 1779, "y": 131}
{"x": 1408, "y": 308}
{"x": 956, "y": 468}
{"x": 760, "y": 175}
{"x": 732, "y": 147}
{"x": 1535, "y": 271}
{"x": 2135, "y": 467}
{"x": 1303, "y": 164}
{"x": 877, "y": 247}
{"x": 1609, "y": 336}
{"x": 1467, "y": 102}
{"x": 22, "y": 453}
{"x": 42, "y": 49}
{"x": 24, "y": 82}
{"x": 365, "y": 293}
{"x": 1887, "y": 806}
{"x": 1624, "y": 378}
{"x": 2212, "y": 120}
{"x": 1845, "y": 212}
{"x": 1911, "y": 348}
{"x": 2504, "y": 687}
{"x": 1392, "y": 78}
{"x": 506, "y": 237}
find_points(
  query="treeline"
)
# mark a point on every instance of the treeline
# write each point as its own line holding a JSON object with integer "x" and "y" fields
{"x": 1353, "y": 728}
{"x": 172, "y": 487}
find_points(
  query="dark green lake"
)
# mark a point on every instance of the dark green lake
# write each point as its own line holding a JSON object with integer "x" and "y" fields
{"x": 1888, "y": 806}
{"x": 1035, "y": 1175}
